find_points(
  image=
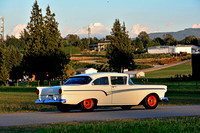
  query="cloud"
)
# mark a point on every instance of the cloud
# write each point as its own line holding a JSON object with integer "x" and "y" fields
{"x": 196, "y": 26}
{"x": 97, "y": 29}
{"x": 169, "y": 24}
{"x": 67, "y": 31}
{"x": 137, "y": 28}
{"x": 17, "y": 30}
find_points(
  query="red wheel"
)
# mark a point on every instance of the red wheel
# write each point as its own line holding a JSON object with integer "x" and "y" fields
{"x": 88, "y": 105}
{"x": 151, "y": 101}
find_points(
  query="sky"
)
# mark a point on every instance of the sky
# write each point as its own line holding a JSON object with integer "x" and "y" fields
{"x": 74, "y": 16}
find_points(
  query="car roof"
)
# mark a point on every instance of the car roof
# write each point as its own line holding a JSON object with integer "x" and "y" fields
{"x": 101, "y": 74}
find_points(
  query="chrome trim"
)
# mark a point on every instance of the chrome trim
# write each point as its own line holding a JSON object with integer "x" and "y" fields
{"x": 164, "y": 99}
{"x": 51, "y": 101}
{"x": 119, "y": 91}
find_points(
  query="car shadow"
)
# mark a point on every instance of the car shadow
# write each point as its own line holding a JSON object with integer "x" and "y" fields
{"x": 101, "y": 110}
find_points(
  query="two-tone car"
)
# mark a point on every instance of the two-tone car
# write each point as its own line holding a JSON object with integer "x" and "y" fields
{"x": 89, "y": 91}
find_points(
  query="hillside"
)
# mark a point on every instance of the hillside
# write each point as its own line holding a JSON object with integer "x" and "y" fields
{"x": 179, "y": 35}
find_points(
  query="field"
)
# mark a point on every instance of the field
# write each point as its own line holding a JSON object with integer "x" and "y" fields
{"x": 169, "y": 72}
{"x": 155, "y": 125}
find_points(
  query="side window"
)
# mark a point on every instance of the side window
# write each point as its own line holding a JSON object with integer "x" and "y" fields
{"x": 101, "y": 81}
{"x": 118, "y": 80}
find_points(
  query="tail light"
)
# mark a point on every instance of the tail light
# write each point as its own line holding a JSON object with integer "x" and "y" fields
{"x": 37, "y": 92}
{"x": 60, "y": 91}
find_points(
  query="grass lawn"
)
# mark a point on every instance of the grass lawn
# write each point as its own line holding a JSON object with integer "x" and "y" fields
{"x": 169, "y": 72}
{"x": 21, "y": 102}
{"x": 155, "y": 125}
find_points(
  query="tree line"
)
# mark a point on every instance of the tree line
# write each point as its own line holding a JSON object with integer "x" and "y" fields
{"x": 40, "y": 48}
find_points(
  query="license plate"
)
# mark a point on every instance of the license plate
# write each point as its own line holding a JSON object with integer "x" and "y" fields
{"x": 50, "y": 97}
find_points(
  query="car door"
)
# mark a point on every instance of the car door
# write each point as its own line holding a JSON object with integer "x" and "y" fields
{"x": 120, "y": 90}
{"x": 102, "y": 87}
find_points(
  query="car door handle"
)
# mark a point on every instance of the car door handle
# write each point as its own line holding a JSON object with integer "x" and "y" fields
{"x": 114, "y": 86}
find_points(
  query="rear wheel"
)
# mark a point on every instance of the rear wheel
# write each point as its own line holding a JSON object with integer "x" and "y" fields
{"x": 88, "y": 105}
{"x": 63, "y": 108}
{"x": 151, "y": 101}
{"x": 126, "y": 107}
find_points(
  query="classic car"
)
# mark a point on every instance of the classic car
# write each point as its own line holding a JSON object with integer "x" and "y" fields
{"x": 89, "y": 91}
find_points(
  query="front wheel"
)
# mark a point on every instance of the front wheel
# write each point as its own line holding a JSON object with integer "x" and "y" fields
{"x": 63, "y": 108}
{"x": 88, "y": 105}
{"x": 151, "y": 101}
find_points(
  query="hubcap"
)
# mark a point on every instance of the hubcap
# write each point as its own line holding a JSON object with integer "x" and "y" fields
{"x": 88, "y": 104}
{"x": 152, "y": 100}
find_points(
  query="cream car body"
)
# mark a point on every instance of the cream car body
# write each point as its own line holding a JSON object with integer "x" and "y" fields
{"x": 106, "y": 89}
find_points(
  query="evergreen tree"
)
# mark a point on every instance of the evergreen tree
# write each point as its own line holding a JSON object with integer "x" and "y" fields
{"x": 15, "y": 42}
{"x": 120, "y": 52}
{"x": 44, "y": 53}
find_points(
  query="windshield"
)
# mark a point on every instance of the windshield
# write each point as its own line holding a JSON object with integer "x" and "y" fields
{"x": 78, "y": 80}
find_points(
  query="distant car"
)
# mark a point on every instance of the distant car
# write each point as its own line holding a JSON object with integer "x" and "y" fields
{"x": 88, "y": 91}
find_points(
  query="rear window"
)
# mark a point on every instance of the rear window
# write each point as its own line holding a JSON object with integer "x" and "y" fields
{"x": 78, "y": 80}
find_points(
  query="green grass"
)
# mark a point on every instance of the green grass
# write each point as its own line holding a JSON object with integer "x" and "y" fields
{"x": 155, "y": 125}
{"x": 171, "y": 71}
{"x": 21, "y": 102}
{"x": 72, "y": 49}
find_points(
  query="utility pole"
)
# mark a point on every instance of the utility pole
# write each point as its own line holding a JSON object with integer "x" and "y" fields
{"x": 89, "y": 32}
{"x": 2, "y": 28}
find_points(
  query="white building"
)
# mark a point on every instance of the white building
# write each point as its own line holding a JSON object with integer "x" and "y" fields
{"x": 86, "y": 70}
{"x": 174, "y": 49}
{"x": 161, "y": 49}
{"x": 135, "y": 74}
{"x": 187, "y": 49}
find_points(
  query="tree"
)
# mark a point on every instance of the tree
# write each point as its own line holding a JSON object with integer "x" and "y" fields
{"x": 17, "y": 43}
{"x": 158, "y": 41}
{"x": 192, "y": 40}
{"x": 169, "y": 40}
{"x": 4, "y": 74}
{"x": 139, "y": 45}
{"x": 10, "y": 57}
{"x": 73, "y": 40}
{"x": 44, "y": 56}
{"x": 94, "y": 40}
{"x": 145, "y": 38}
{"x": 84, "y": 44}
{"x": 68, "y": 71}
{"x": 119, "y": 52}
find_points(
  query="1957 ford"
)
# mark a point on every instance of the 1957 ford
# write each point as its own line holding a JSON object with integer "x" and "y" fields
{"x": 88, "y": 91}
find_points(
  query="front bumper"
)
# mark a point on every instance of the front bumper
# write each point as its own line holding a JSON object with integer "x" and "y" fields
{"x": 164, "y": 99}
{"x": 51, "y": 101}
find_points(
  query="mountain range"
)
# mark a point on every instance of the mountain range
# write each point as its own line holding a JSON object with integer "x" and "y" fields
{"x": 179, "y": 35}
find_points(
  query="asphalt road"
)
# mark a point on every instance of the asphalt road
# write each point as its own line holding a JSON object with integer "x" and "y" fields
{"x": 98, "y": 114}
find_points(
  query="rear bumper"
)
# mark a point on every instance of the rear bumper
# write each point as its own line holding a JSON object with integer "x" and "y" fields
{"x": 164, "y": 99}
{"x": 51, "y": 101}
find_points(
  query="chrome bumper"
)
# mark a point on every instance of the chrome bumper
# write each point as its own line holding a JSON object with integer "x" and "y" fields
{"x": 51, "y": 101}
{"x": 164, "y": 99}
